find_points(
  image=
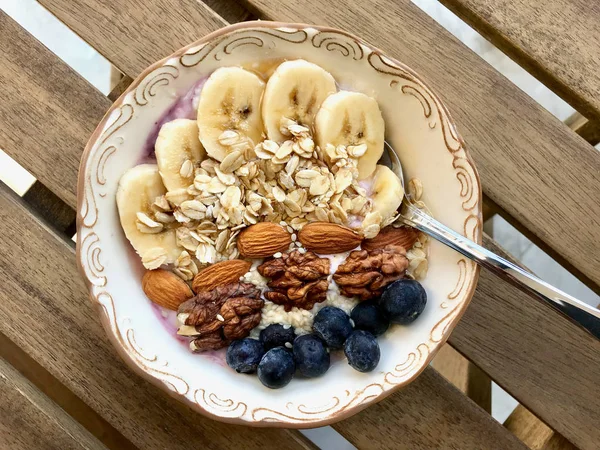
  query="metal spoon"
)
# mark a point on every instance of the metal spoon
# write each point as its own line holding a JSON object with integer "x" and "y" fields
{"x": 584, "y": 315}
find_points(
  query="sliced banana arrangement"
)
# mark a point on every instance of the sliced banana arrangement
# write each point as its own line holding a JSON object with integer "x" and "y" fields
{"x": 291, "y": 149}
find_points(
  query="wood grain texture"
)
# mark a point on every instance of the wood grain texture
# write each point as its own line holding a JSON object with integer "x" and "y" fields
{"x": 546, "y": 362}
{"x": 465, "y": 375}
{"x": 48, "y": 303}
{"x": 47, "y": 111}
{"x": 423, "y": 416}
{"x": 556, "y": 41}
{"x": 133, "y": 34}
{"x": 63, "y": 397}
{"x": 30, "y": 420}
{"x": 44, "y": 309}
{"x": 518, "y": 146}
{"x": 534, "y": 433}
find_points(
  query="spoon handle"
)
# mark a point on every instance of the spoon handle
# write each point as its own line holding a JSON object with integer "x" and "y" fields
{"x": 585, "y": 315}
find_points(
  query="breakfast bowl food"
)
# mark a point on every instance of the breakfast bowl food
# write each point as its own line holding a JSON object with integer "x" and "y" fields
{"x": 238, "y": 235}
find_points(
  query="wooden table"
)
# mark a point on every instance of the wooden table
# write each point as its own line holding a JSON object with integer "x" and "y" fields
{"x": 64, "y": 387}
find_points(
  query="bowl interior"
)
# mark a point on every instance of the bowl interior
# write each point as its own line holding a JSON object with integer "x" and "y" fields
{"x": 418, "y": 127}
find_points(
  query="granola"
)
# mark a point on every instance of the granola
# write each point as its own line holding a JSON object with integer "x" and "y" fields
{"x": 292, "y": 182}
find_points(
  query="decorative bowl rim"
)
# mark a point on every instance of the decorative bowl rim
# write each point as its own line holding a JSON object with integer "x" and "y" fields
{"x": 334, "y": 416}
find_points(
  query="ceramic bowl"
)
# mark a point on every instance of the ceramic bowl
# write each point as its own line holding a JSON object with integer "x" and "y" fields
{"x": 418, "y": 126}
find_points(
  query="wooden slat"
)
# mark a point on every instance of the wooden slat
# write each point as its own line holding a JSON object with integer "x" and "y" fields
{"x": 115, "y": 76}
{"x": 542, "y": 359}
{"x": 44, "y": 309}
{"x": 534, "y": 433}
{"x": 519, "y": 147}
{"x": 131, "y": 34}
{"x": 49, "y": 304}
{"x": 556, "y": 41}
{"x": 30, "y": 420}
{"x": 575, "y": 121}
{"x": 47, "y": 111}
{"x": 423, "y": 416}
{"x": 587, "y": 129}
{"x": 488, "y": 211}
{"x": 62, "y": 396}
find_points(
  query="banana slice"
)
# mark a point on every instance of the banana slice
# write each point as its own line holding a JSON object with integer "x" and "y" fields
{"x": 386, "y": 192}
{"x": 229, "y": 111}
{"x": 295, "y": 91}
{"x": 138, "y": 188}
{"x": 352, "y": 119}
{"x": 178, "y": 152}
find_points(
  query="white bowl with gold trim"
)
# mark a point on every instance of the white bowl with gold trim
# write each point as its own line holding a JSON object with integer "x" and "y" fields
{"x": 418, "y": 126}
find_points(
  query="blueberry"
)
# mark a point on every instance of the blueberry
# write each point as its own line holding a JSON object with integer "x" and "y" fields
{"x": 362, "y": 351}
{"x": 276, "y": 369}
{"x": 403, "y": 301}
{"x": 244, "y": 355}
{"x": 311, "y": 356}
{"x": 275, "y": 335}
{"x": 333, "y": 326}
{"x": 367, "y": 316}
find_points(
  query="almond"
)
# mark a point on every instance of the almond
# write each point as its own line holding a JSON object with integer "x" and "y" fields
{"x": 404, "y": 236}
{"x": 165, "y": 288}
{"x": 328, "y": 238}
{"x": 263, "y": 239}
{"x": 223, "y": 272}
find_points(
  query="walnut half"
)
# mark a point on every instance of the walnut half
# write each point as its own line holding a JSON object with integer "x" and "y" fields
{"x": 214, "y": 318}
{"x": 297, "y": 279}
{"x": 366, "y": 272}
